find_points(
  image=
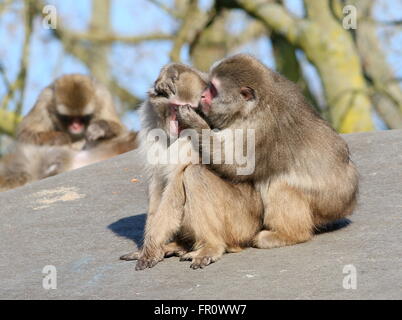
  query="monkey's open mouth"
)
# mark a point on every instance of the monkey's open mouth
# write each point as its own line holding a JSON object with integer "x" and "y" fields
{"x": 174, "y": 125}
{"x": 75, "y": 124}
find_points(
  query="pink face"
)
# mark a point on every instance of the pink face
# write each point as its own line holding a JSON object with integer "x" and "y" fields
{"x": 76, "y": 126}
{"x": 209, "y": 93}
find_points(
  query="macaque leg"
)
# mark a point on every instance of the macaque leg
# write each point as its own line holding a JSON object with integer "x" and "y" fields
{"x": 162, "y": 225}
{"x": 287, "y": 216}
{"x": 217, "y": 214}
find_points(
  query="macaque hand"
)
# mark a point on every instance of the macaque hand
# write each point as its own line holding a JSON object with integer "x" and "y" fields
{"x": 188, "y": 118}
{"x": 96, "y": 130}
{"x": 165, "y": 84}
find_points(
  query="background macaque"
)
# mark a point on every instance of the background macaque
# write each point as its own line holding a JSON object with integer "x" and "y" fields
{"x": 28, "y": 163}
{"x": 73, "y": 123}
{"x": 73, "y": 108}
{"x": 303, "y": 170}
{"x": 204, "y": 215}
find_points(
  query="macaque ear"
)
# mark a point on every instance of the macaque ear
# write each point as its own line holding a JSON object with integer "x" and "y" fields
{"x": 247, "y": 93}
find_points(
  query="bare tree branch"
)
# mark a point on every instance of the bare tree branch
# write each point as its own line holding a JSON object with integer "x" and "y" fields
{"x": 110, "y": 38}
{"x": 167, "y": 9}
{"x": 274, "y": 16}
{"x": 192, "y": 21}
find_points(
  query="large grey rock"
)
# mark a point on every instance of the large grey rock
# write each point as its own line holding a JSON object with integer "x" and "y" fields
{"x": 82, "y": 221}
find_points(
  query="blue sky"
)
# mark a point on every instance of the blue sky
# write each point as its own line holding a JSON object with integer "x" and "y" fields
{"x": 136, "y": 67}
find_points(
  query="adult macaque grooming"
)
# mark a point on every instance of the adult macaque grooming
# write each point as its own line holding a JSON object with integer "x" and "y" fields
{"x": 73, "y": 108}
{"x": 303, "y": 170}
{"x": 73, "y": 123}
{"x": 192, "y": 212}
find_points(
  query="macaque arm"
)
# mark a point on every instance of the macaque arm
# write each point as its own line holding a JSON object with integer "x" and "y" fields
{"x": 188, "y": 118}
{"x": 105, "y": 123}
{"x": 37, "y": 127}
{"x": 103, "y": 129}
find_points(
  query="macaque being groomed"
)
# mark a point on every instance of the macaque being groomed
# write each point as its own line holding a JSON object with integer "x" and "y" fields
{"x": 193, "y": 213}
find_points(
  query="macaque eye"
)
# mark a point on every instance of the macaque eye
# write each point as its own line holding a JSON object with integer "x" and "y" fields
{"x": 247, "y": 93}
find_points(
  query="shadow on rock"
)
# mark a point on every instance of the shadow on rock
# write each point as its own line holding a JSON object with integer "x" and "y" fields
{"x": 131, "y": 228}
{"x": 333, "y": 226}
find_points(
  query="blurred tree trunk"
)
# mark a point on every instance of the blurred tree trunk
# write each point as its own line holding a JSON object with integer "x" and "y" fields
{"x": 210, "y": 44}
{"x": 287, "y": 64}
{"x": 7, "y": 120}
{"x": 100, "y": 25}
{"x": 331, "y": 49}
{"x": 387, "y": 92}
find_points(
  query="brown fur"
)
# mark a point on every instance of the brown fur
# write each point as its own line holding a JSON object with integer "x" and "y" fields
{"x": 46, "y": 147}
{"x": 27, "y": 163}
{"x": 303, "y": 170}
{"x": 78, "y": 95}
{"x": 201, "y": 214}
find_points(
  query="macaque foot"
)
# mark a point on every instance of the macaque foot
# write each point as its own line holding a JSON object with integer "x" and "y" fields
{"x": 203, "y": 257}
{"x": 149, "y": 259}
{"x": 171, "y": 249}
{"x": 266, "y": 239}
{"x": 174, "y": 249}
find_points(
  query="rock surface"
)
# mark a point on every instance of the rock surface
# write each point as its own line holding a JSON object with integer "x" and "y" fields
{"x": 82, "y": 221}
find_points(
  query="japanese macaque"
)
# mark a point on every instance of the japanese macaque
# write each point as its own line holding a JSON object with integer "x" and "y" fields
{"x": 74, "y": 108}
{"x": 73, "y": 123}
{"x": 303, "y": 171}
{"x": 192, "y": 213}
{"x": 27, "y": 163}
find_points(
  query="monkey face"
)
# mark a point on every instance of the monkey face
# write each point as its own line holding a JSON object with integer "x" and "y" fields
{"x": 223, "y": 100}
{"x": 170, "y": 93}
{"x": 75, "y": 126}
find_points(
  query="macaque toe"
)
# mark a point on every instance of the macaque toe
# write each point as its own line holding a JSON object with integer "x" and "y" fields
{"x": 188, "y": 256}
{"x": 143, "y": 263}
{"x": 202, "y": 257}
{"x": 130, "y": 256}
{"x": 149, "y": 260}
{"x": 201, "y": 262}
